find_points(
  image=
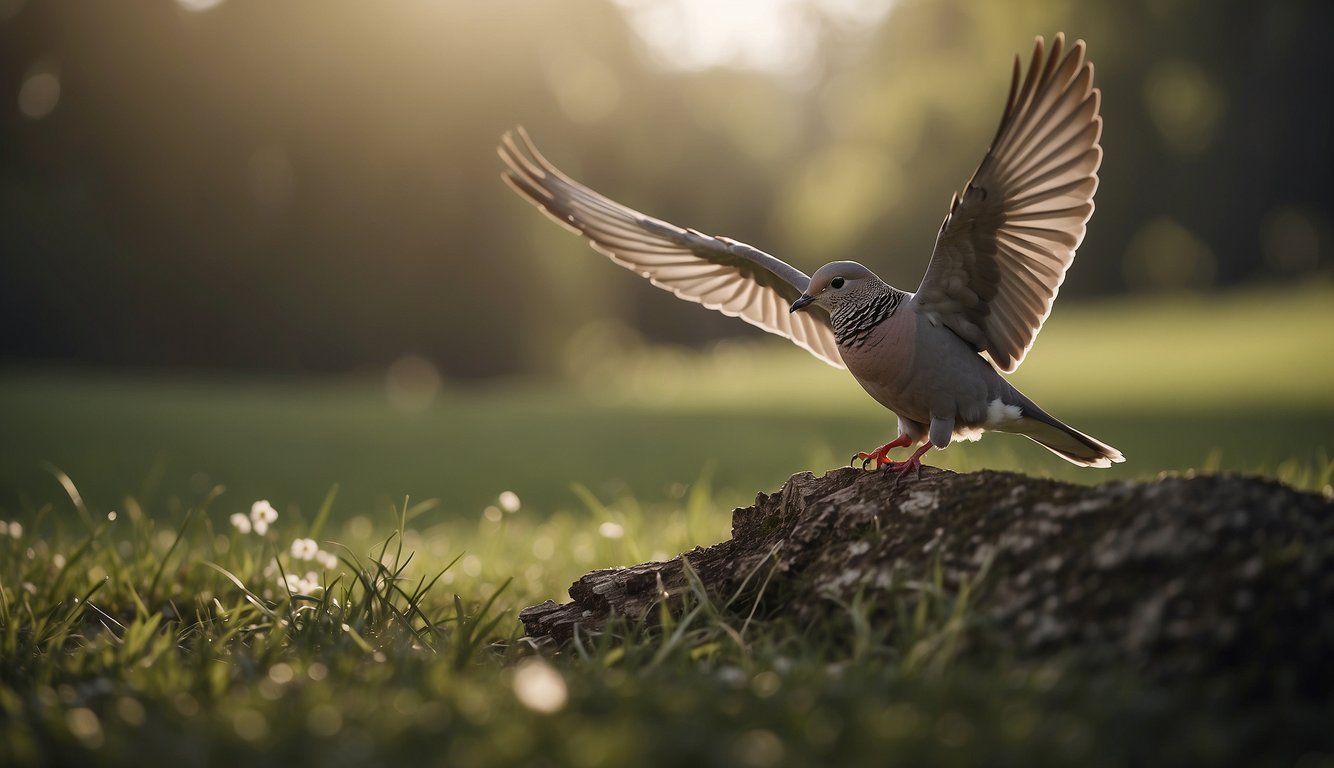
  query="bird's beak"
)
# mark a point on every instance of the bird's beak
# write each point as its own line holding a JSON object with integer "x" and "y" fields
{"x": 799, "y": 303}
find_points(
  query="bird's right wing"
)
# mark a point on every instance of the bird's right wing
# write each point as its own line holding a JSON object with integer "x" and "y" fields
{"x": 722, "y": 274}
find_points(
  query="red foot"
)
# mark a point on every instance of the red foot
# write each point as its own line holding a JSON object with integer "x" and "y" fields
{"x": 913, "y": 464}
{"x": 881, "y": 455}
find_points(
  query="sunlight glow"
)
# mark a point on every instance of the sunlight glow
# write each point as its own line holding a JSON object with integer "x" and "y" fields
{"x": 774, "y": 35}
{"x": 198, "y": 6}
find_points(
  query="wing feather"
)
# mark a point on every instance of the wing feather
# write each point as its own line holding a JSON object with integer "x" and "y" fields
{"x": 719, "y": 273}
{"x": 1004, "y": 248}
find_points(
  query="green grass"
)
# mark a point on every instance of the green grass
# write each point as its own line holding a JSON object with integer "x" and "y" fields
{"x": 167, "y": 640}
{"x": 1241, "y": 383}
{"x": 138, "y": 626}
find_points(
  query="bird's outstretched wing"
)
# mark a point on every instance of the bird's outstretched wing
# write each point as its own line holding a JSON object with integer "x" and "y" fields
{"x": 719, "y": 273}
{"x": 1003, "y": 250}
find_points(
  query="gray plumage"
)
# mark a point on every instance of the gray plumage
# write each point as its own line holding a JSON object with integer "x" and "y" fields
{"x": 931, "y": 357}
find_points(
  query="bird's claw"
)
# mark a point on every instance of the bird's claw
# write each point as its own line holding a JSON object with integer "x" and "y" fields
{"x": 912, "y": 464}
{"x": 899, "y": 469}
{"x": 880, "y": 459}
{"x": 880, "y": 455}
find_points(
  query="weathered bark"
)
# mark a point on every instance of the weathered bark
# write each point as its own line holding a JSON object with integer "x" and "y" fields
{"x": 1180, "y": 576}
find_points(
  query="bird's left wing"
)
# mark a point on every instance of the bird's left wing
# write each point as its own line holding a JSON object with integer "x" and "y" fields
{"x": 1003, "y": 250}
{"x": 719, "y": 273}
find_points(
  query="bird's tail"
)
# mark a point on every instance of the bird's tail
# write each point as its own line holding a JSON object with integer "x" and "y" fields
{"x": 1068, "y": 443}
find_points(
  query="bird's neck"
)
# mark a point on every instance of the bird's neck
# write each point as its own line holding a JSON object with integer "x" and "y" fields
{"x": 854, "y": 321}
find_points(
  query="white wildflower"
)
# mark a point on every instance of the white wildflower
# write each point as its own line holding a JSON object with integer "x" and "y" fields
{"x": 263, "y": 510}
{"x": 610, "y": 530}
{"x": 732, "y": 676}
{"x": 296, "y": 585}
{"x": 327, "y": 560}
{"x": 240, "y": 522}
{"x": 15, "y": 530}
{"x": 539, "y": 686}
{"x": 304, "y": 549}
{"x": 509, "y": 501}
{"x": 262, "y": 514}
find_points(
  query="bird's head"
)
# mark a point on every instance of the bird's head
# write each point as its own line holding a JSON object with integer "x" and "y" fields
{"x": 838, "y": 283}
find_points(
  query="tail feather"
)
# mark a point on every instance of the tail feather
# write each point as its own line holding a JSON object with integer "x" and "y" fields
{"x": 1064, "y": 441}
{"x": 1070, "y": 444}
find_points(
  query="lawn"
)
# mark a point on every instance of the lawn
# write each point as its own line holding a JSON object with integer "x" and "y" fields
{"x": 139, "y": 624}
{"x": 1239, "y": 383}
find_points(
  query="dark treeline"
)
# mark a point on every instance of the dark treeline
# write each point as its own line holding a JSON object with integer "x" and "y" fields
{"x": 311, "y": 186}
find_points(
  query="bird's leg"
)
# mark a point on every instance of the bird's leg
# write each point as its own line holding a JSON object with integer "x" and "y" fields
{"x": 881, "y": 455}
{"x": 912, "y": 464}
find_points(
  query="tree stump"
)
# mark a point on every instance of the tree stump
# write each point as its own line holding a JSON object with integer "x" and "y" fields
{"x": 1181, "y": 576}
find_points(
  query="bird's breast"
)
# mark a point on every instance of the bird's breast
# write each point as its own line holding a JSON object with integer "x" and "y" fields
{"x": 883, "y": 360}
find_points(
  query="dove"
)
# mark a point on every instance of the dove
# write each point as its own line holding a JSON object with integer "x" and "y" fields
{"x": 934, "y": 357}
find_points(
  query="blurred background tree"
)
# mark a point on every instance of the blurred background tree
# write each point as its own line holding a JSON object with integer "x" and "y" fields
{"x": 311, "y": 186}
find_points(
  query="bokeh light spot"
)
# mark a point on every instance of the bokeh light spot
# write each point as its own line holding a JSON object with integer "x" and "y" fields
{"x": 131, "y": 712}
{"x": 1290, "y": 242}
{"x": 411, "y": 384}
{"x": 250, "y": 725}
{"x": 758, "y": 748}
{"x": 324, "y": 720}
{"x": 10, "y": 8}
{"x": 599, "y": 351}
{"x": 540, "y": 687}
{"x": 84, "y": 724}
{"x": 39, "y": 95}
{"x": 586, "y": 89}
{"x": 1166, "y": 256}
{"x": 1185, "y": 105}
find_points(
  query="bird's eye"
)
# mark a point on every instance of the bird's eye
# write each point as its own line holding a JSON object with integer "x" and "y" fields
{"x": 836, "y": 283}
